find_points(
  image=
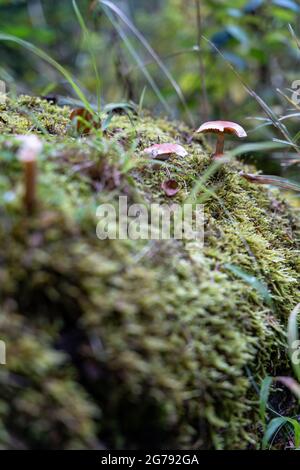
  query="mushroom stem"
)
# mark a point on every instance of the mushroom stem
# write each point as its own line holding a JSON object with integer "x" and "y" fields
{"x": 219, "y": 146}
{"x": 28, "y": 152}
{"x": 30, "y": 175}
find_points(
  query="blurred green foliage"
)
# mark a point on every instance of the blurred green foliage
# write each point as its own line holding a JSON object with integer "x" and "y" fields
{"x": 253, "y": 35}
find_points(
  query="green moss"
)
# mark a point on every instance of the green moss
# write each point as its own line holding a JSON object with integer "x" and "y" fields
{"x": 135, "y": 344}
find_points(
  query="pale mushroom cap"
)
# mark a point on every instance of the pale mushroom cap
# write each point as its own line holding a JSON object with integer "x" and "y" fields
{"x": 226, "y": 127}
{"x": 30, "y": 147}
{"x": 166, "y": 149}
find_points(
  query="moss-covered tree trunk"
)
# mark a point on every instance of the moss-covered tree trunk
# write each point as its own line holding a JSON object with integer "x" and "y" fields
{"x": 134, "y": 344}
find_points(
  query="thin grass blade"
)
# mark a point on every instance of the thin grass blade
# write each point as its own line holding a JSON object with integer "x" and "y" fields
{"x": 43, "y": 55}
{"x": 264, "y": 398}
{"x": 294, "y": 36}
{"x": 117, "y": 11}
{"x": 252, "y": 281}
{"x": 139, "y": 62}
{"x": 90, "y": 49}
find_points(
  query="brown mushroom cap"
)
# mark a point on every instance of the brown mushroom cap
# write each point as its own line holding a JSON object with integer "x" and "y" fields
{"x": 223, "y": 127}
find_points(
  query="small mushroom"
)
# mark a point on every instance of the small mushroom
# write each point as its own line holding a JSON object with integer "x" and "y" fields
{"x": 170, "y": 187}
{"x": 221, "y": 128}
{"x": 30, "y": 147}
{"x": 163, "y": 151}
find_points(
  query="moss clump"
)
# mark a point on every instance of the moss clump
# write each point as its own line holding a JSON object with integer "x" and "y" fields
{"x": 132, "y": 344}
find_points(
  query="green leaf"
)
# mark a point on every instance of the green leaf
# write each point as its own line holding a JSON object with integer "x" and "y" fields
{"x": 239, "y": 34}
{"x": 283, "y": 14}
{"x": 293, "y": 340}
{"x": 275, "y": 425}
{"x": 288, "y": 4}
{"x": 263, "y": 398}
{"x": 255, "y": 283}
{"x": 106, "y": 122}
{"x": 110, "y": 107}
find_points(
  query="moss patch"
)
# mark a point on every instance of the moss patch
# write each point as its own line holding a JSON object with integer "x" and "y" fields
{"x": 134, "y": 344}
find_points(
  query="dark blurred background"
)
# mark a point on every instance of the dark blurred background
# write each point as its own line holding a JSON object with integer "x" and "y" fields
{"x": 253, "y": 36}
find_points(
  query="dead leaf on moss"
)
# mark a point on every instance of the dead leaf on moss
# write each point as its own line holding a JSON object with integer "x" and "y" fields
{"x": 85, "y": 120}
{"x": 271, "y": 180}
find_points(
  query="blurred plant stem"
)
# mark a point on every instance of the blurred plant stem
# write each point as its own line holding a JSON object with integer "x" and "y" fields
{"x": 204, "y": 103}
